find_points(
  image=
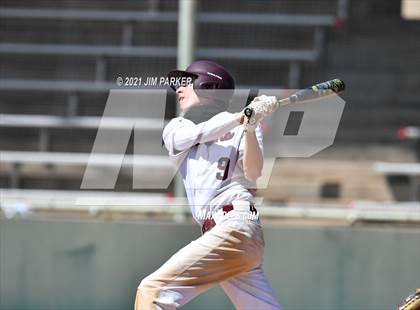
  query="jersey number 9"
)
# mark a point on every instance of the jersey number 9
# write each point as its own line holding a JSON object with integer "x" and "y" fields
{"x": 223, "y": 164}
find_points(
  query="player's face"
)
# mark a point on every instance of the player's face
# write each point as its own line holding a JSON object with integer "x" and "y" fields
{"x": 187, "y": 97}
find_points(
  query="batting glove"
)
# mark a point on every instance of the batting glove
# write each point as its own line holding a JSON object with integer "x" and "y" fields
{"x": 262, "y": 106}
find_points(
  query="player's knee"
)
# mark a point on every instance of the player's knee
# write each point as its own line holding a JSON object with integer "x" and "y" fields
{"x": 146, "y": 287}
{"x": 145, "y": 283}
{"x": 137, "y": 302}
{"x": 147, "y": 293}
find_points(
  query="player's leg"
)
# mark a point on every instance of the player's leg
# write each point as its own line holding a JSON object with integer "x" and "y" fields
{"x": 219, "y": 254}
{"x": 251, "y": 290}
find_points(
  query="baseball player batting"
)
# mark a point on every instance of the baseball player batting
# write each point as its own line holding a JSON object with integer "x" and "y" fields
{"x": 221, "y": 157}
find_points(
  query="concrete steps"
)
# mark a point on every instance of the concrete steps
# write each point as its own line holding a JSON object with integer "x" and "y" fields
{"x": 382, "y": 54}
{"x": 151, "y": 33}
{"x": 365, "y": 114}
{"x": 84, "y": 68}
{"x": 80, "y": 68}
{"x": 93, "y": 4}
{"x": 303, "y": 181}
{"x": 285, "y": 6}
{"x": 376, "y": 54}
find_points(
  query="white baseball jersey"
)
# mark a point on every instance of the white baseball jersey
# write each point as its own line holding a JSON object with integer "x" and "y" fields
{"x": 231, "y": 253}
{"x": 211, "y": 153}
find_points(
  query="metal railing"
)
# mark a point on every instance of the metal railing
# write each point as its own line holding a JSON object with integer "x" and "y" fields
{"x": 81, "y": 159}
{"x": 21, "y": 202}
{"x": 46, "y": 122}
{"x": 293, "y": 56}
{"x": 87, "y": 86}
{"x": 157, "y": 51}
{"x": 16, "y": 164}
{"x": 304, "y": 20}
{"x": 81, "y": 122}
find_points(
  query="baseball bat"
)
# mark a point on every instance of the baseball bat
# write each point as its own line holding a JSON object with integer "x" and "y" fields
{"x": 334, "y": 86}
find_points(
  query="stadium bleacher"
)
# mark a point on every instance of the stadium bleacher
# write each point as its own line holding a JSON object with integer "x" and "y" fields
{"x": 341, "y": 226}
{"x": 59, "y": 60}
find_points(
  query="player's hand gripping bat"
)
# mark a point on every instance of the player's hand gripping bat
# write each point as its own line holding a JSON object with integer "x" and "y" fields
{"x": 316, "y": 91}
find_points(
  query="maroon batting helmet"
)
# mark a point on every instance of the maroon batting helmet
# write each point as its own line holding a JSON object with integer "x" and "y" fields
{"x": 207, "y": 75}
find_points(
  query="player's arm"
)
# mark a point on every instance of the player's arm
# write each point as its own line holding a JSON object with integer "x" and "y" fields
{"x": 186, "y": 134}
{"x": 253, "y": 159}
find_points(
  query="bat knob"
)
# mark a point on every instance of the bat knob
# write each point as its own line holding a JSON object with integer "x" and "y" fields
{"x": 248, "y": 112}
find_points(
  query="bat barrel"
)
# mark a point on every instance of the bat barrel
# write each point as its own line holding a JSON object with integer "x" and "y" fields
{"x": 336, "y": 85}
{"x": 313, "y": 92}
{"x": 318, "y": 90}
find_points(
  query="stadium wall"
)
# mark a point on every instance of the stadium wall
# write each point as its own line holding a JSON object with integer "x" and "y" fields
{"x": 85, "y": 264}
